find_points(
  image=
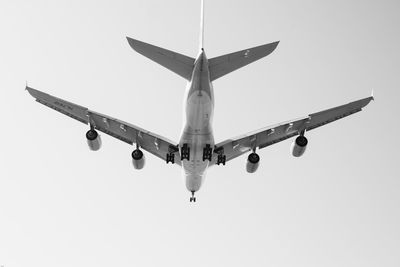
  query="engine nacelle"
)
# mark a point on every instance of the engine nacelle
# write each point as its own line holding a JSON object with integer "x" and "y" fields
{"x": 253, "y": 161}
{"x": 138, "y": 159}
{"x": 299, "y": 146}
{"x": 93, "y": 140}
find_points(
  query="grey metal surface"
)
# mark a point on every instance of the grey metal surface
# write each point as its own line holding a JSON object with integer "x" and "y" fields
{"x": 178, "y": 63}
{"x": 199, "y": 107}
{"x": 153, "y": 143}
{"x": 270, "y": 135}
{"x": 222, "y": 65}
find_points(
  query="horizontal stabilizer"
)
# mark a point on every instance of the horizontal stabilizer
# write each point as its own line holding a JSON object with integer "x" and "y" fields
{"x": 222, "y": 65}
{"x": 178, "y": 63}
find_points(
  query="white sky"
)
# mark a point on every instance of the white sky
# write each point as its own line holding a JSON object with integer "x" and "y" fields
{"x": 62, "y": 205}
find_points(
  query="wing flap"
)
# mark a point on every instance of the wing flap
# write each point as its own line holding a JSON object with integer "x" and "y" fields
{"x": 113, "y": 127}
{"x": 126, "y": 132}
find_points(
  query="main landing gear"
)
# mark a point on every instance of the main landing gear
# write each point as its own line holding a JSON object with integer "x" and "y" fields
{"x": 207, "y": 153}
{"x": 221, "y": 159}
{"x": 192, "y": 198}
{"x": 185, "y": 152}
{"x": 170, "y": 157}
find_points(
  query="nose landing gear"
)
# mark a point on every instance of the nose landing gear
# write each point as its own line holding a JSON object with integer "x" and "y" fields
{"x": 192, "y": 198}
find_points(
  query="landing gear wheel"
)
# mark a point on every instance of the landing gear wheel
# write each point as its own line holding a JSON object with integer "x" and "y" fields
{"x": 170, "y": 158}
{"x": 207, "y": 153}
{"x": 192, "y": 198}
{"x": 185, "y": 152}
{"x": 221, "y": 159}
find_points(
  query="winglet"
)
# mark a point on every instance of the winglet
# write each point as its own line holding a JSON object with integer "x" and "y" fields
{"x": 372, "y": 94}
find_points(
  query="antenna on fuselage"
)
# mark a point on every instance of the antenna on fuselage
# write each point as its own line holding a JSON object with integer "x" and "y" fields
{"x": 202, "y": 26}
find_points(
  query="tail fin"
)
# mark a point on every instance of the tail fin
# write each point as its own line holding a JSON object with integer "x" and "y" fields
{"x": 202, "y": 26}
{"x": 178, "y": 63}
{"x": 222, "y": 65}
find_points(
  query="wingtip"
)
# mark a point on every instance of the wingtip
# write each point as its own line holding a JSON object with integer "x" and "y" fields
{"x": 276, "y": 44}
{"x": 131, "y": 41}
{"x": 27, "y": 88}
{"x": 372, "y": 95}
{"x": 31, "y": 91}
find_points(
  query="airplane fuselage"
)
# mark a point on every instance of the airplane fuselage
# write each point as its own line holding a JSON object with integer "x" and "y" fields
{"x": 197, "y": 130}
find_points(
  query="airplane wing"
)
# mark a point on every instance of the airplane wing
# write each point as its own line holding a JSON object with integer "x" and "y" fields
{"x": 235, "y": 147}
{"x": 153, "y": 143}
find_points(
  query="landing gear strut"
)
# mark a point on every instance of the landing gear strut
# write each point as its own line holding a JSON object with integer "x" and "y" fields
{"x": 185, "y": 152}
{"x": 192, "y": 198}
{"x": 207, "y": 153}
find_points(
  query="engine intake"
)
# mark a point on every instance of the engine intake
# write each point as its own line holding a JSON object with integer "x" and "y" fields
{"x": 138, "y": 159}
{"x": 93, "y": 140}
{"x": 253, "y": 161}
{"x": 299, "y": 146}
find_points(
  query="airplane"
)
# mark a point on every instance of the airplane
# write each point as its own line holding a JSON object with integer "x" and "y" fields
{"x": 197, "y": 150}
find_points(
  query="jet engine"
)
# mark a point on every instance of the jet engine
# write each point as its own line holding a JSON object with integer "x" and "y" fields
{"x": 299, "y": 146}
{"x": 93, "y": 140}
{"x": 253, "y": 161}
{"x": 138, "y": 159}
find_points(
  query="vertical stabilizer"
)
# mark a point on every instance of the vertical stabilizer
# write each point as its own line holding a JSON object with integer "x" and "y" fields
{"x": 202, "y": 26}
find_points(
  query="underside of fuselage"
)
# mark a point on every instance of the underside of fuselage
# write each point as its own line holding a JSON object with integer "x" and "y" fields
{"x": 197, "y": 131}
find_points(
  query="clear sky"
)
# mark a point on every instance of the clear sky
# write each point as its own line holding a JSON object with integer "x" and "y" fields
{"x": 63, "y": 205}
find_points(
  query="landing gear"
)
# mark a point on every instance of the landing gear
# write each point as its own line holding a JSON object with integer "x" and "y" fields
{"x": 192, "y": 198}
{"x": 221, "y": 159}
{"x": 185, "y": 152}
{"x": 170, "y": 158}
{"x": 207, "y": 153}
